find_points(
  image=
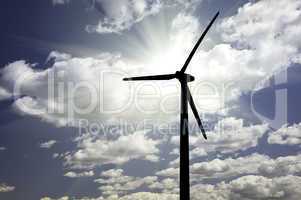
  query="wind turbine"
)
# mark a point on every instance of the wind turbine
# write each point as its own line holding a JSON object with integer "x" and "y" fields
{"x": 185, "y": 98}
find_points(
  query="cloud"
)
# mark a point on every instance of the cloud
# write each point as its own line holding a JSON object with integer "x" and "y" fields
{"x": 167, "y": 186}
{"x": 243, "y": 188}
{"x": 255, "y": 62}
{"x": 100, "y": 151}
{"x": 6, "y": 188}
{"x": 114, "y": 182}
{"x": 4, "y": 94}
{"x": 229, "y": 135}
{"x": 254, "y": 164}
{"x": 79, "y": 91}
{"x": 62, "y": 198}
{"x": 170, "y": 172}
{"x": 148, "y": 195}
{"x": 60, "y": 2}
{"x": 72, "y": 174}
{"x": 2, "y": 148}
{"x": 138, "y": 196}
{"x": 251, "y": 187}
{"x": 237, "y": 47}
{"x": 286, "y": 135}
{"x": 112, "y": 173}
{"x": 46, "y": 94}
{"x": 119, "y": 15}
{"x": 261, "y": 26}
{"x": 48, "y": 145}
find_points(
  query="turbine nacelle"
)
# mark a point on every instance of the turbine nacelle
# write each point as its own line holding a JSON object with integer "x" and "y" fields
{"x": 184, "y": 77}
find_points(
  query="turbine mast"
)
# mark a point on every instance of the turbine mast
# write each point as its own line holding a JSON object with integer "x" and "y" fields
{"x": 184, "y": 144}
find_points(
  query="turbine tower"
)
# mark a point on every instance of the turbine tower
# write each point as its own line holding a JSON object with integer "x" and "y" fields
{"x": 185, "y": 98}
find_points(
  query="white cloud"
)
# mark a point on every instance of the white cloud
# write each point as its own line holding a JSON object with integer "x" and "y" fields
{"x": 170, "y": 172}
{"x": 262, "y": 26}
{"x": 114, "y": 182}
{"x": 48, "y": 144}
{"x": 230, "y": 167}
{"x": 2, "y": 148}
{"x": 167, "y": 185}
{"x": 286, "y": 135}
{"x": 112, "y": 173}
{"x": 253, "y": 164}
{"x": 60, "y": 2}
{"x": 138, "y": 196}
{"x": 72, "y": 174}
{"x": 4, "y": 94}
{"x": 62, "y": 198}
{"x": 229, "y": 135}
{"x": 47, "y": 93}
{"x": 100, "y": 151}
{"x": 149, "y": 196}
{"x": 6, "y": 188}
{"x": 119, "y": 15}
{"x": 58, "y": 56}
{"x": 251, "y": 187}
{"x": 243, "y": 188}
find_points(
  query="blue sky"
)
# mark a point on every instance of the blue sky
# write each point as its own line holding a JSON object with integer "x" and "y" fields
{"x": 71, "y": 129}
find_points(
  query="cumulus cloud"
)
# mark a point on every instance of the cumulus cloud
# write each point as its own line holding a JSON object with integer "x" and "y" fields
{"x": 76, "y": 91}
{"x": 166, "y": 186}
{"x": 72, "y": 174}
{"x": 48, "y": 144}
{"x": 148, "y": 195}
{"x": 234, "y": 167}
{"x": 112, "y": 173}
{"x": 4, "y": 94}
{"x": 251, "y": 187}
{"x": 121, "y": 15}
{"x": 169, "y": 172}
{"x": 6, "y": 188}
{"x": 229, "y": 135}
{"x": 2, "y": 148}
{"x": 138, "y": 196}
{"x": 47, "y": 93}
{"x": 62, "y": 198}
{"x": 100, "y": 151}
{"x": 261, "y": 26}
{"x": 243, "y": 188}
{"x": 60, "y": 2}
{"x": 253, "y": 164}
{"x": 286, "y": 135}
{"x": 114, "y": 182}
{"x": 118, "y": 16}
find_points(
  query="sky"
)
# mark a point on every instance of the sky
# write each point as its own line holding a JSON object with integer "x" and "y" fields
{"x": 71, "y": 129}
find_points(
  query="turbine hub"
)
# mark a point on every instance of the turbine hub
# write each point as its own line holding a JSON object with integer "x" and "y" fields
{"x": 184, "y": 77}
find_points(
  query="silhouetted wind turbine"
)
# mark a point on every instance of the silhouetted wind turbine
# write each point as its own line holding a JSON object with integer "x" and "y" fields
{"x": 185, "y": 97}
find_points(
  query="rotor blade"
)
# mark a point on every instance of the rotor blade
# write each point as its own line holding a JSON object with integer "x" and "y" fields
{"x": 155, "y": 77}
{"x": 198, "y": 43}
{"x": 195, "y": 113}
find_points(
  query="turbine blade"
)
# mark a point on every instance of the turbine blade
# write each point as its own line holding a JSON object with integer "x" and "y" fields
{"x": 155, "y": 77}
{"x": 195, "y": 113}
{"x": 198, "y": 43}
